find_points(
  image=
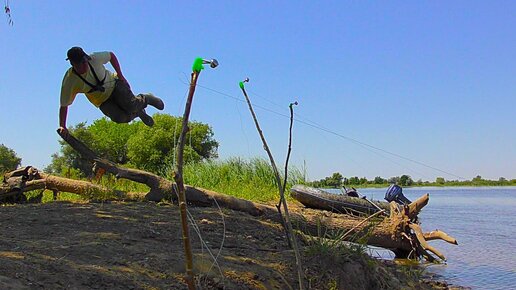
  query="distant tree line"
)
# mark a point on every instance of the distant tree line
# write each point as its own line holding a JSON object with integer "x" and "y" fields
{"x": 337, "y": 180}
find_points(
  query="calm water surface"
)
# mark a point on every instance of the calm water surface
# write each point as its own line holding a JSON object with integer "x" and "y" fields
{"x": 483, "y": 220}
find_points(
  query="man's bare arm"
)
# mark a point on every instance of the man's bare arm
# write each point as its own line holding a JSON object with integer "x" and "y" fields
{"x": 116, "y": 65}
{"x": 63, "y": 113}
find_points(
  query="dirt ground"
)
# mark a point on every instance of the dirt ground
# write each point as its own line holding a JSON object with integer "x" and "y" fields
{"x": 64, "y": 245}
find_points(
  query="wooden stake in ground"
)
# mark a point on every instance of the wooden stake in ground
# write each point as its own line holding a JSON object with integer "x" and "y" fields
{"x": 289, "y": 230}
{"x": 278, "y": 206}
{"x": 178, "y": 174}
{"x": 289, "y": 148}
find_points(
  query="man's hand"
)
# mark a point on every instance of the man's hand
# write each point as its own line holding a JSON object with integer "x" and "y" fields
{"x": 63, "y": 131}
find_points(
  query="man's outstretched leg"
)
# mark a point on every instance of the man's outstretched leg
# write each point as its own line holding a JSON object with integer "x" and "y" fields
{"x": 146, "y": 119}
{"x": 151, "y": 99}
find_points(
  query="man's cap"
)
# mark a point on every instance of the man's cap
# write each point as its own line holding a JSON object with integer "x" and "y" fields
{"x": 76, "y": 54}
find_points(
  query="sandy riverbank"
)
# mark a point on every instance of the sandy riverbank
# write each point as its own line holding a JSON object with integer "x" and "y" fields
{"x": 63, "y": 245}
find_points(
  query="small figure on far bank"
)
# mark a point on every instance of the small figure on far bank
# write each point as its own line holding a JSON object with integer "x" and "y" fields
{"x": 108, "y": 91}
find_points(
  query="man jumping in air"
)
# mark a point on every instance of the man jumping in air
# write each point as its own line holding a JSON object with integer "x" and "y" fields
{"x": 108, "y": 91}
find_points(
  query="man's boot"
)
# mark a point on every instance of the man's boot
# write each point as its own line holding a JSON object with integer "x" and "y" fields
{"x": 146, "y": 119}
{"x": 154, "y": 101}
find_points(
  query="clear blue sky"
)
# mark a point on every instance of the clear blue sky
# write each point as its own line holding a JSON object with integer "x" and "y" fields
{"x": 432, "y": 81}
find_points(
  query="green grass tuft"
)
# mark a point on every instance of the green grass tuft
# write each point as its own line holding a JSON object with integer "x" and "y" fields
{"x": 248, "y": 179}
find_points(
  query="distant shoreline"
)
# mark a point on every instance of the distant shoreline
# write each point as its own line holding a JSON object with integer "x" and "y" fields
{"x": 379, "y": 186}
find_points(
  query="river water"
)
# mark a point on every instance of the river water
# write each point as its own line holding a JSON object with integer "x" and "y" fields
{"x": 483, "y": 220}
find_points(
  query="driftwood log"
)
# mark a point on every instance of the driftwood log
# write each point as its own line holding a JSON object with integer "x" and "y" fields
{"x": 400, "y": 232}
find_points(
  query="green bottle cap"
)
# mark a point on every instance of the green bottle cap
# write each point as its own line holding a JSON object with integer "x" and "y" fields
{"x": 197, "y": 65}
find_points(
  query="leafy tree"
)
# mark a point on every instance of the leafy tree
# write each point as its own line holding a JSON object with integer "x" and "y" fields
{"x": 8, "y": 159}
{"x": 153, "y": 148}
{"x": 406, "y": 180}
{"x": 335, "y": 180}
{"x": 136, "y": 145}
{"x": 440, "y": 180}
{"x": 379, "y": 180}
{"x": 394, "y": 180}
{"x": 354, "y": 180}
{"x": 110, "y": 139}
{"x": 478, "y": 178}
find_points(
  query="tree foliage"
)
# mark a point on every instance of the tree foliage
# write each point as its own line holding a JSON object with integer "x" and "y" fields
{"x": 404, "y": 180}
{"x": 136, "y": 145}
{"x": 336, "y": 180}
{"x": 8, "y": 159}
{"x": 440, "y": 180}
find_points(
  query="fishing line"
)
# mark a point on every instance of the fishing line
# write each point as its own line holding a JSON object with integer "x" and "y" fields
{"x": 243, "y": 131}
{"x": 376, "y": 153}
{"x": 185, "y": 81}
{"x": 320, "y": 127}
{"x": 175, "y": 124}
{"x": 379, "y": 149}
{"x": 321, "y": 135}
{"x": 205, "y": 245}
{"x": 325, "y": 137}
{"x": 266, "y": 99}
{"x": 303, "y": 120}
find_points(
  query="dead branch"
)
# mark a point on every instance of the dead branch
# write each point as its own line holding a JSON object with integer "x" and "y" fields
{"x": 361, "y": 223}
{"x": 419, "y": 235}
{"x": 289, "y": 231}
{"x": 439, "y": 235}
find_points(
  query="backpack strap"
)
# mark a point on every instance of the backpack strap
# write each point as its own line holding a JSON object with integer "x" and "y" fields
{"x": 100, "y": 83}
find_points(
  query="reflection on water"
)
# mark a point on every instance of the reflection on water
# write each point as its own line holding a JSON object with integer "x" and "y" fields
{"x": 483, "y": 220}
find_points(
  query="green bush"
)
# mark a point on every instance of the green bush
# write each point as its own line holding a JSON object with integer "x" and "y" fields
{"x": 136, "y": 145}
{"x": 8, "y": 159}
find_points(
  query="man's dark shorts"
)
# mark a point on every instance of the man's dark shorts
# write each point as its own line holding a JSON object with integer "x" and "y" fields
{"x": 123, "y": 106}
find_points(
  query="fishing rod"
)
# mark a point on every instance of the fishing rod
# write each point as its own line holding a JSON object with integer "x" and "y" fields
{"x": 289, "y": 230}
{"x": 197, "y": 67}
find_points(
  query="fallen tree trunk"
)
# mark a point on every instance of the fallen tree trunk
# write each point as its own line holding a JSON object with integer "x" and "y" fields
{"x": 394, "y": 233}
{"x": 14, "y": 186}
{"x": 398, "y": 232}
{"x": 161, "y": 188}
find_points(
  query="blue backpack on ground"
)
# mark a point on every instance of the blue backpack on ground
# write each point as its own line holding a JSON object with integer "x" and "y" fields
{"x": 395, "y": 193}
